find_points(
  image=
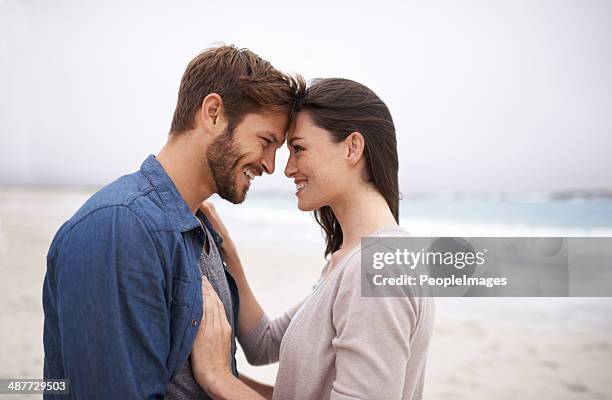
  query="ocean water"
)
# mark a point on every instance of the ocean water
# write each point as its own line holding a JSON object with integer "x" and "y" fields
{"x": 431, "y": 217}
{"x": 593, "y": 214}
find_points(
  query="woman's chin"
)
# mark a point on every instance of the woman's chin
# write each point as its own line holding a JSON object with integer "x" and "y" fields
{"x": 304, "y": 206}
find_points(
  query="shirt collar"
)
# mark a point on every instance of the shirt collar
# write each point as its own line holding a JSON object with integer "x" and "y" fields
{"x": 174, "y": 204}
{"x": 215, "y": 235}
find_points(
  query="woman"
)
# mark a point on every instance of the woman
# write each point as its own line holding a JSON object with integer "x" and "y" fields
{"x": 336, "y": 344}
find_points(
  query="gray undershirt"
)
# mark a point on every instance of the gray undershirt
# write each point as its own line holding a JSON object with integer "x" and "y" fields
{"x": 183, "y": 386}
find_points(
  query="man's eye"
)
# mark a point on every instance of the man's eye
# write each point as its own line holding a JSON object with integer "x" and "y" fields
{"x": 267, "y": 142}
{"x": 297, "y": 149}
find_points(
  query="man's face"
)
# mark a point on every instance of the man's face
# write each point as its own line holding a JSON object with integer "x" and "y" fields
{"x": 235, "y": 159}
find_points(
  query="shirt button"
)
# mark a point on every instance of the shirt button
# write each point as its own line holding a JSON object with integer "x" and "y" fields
{"x": 194, "y": 322}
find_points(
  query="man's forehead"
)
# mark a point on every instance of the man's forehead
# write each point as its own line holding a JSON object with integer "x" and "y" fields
{"x": 271, "y": 123}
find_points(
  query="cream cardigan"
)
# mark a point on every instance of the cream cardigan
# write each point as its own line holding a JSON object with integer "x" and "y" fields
{"x": 339, "y": 345}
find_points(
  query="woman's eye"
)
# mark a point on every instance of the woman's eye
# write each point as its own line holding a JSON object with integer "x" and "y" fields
{"x": 297, "y": 149}
{"x": 266, "y": 142}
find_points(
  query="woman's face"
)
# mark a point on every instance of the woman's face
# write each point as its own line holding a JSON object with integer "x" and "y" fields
{"x": 316, "y": 164}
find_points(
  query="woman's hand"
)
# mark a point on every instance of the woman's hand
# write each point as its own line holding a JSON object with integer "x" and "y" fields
{"x": 208, "y": 208}
{"x": 212, "y": 346}
{"x": 250, "y": 311}
{"x": 228, "y": 249}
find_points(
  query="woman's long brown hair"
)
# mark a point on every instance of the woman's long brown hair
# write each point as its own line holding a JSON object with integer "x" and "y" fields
{"x": 343, "y": 106}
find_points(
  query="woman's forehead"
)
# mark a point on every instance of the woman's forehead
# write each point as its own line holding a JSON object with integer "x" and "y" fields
{"x": 302, "y": 122}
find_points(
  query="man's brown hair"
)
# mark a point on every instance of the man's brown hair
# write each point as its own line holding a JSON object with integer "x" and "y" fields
{"x": 246, "y": 83}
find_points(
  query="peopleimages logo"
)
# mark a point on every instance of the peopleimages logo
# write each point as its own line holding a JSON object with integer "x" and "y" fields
{"x": 411, "y": 259}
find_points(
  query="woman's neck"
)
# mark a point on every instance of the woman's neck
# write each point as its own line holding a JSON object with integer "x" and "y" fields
{"x": 360, "y": 213}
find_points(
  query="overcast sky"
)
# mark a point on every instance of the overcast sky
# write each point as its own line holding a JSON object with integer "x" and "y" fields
{"x": 487, "y": 96}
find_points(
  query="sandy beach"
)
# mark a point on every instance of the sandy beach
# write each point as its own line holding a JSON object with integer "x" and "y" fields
{"x": 482, "y": 348}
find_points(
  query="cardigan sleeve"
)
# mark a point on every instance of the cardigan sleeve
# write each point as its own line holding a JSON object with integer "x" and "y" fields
{"x": 372, "y": 341}
{"x": 261, "y": 345}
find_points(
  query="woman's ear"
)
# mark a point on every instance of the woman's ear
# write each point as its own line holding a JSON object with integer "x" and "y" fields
{"x": 355, "y": 147}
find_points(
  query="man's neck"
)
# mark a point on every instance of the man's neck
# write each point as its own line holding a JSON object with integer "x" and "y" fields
{"x": 188, "y": 170}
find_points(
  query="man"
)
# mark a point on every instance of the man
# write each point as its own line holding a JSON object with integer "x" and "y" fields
{"x": 122, "y": 294}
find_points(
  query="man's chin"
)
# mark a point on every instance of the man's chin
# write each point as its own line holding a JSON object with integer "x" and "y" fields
{"x": 234, "y": 197}
{"x": 239, "y": 200}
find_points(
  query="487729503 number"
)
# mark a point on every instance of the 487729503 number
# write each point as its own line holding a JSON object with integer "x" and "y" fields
{"x": 34, "y": 386}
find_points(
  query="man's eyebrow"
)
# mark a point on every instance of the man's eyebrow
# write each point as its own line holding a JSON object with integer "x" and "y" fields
{"x": 274, "y": 140}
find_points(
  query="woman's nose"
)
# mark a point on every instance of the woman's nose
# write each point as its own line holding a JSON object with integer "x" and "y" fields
{"x": 290, "y": 169}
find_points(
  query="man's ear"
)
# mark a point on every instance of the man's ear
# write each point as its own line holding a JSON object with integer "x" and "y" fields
{"x": 211, "y": 112}
{"x": 355, "y": 145}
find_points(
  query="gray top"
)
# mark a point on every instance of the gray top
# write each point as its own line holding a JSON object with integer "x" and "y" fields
{"x": 183, "y": 386}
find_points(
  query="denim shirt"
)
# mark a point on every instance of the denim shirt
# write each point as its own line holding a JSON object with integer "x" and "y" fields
{"x": 122, "y": 295}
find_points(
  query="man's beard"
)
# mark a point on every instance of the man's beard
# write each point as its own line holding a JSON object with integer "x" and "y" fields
{"x": 223, "y": 157}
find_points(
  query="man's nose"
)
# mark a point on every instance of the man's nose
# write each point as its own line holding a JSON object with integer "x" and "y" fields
{"x": 268, "y": 162}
